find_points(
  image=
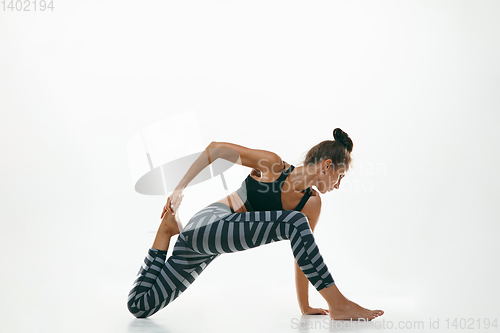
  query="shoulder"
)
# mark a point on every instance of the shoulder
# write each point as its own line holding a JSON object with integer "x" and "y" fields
{"x": 313, "y": 205}
{"x": 312, "y": 208}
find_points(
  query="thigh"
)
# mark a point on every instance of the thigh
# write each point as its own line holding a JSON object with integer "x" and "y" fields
{"x": 212, "y": 234}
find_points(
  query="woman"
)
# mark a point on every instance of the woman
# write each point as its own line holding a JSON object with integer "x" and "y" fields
{"x": 275, "y": 202}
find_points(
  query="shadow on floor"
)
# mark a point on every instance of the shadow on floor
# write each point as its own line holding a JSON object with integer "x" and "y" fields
{"x": 145, "y": 325}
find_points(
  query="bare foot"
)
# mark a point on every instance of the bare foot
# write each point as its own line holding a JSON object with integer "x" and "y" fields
{"x": 172, "y": 223}
{"x": 350, "y": 310}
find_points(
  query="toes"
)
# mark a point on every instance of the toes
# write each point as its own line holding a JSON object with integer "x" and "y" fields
{"x": 374, "y": 314}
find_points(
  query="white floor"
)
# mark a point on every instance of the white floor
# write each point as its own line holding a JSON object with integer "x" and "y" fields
{"x": 251, "y": 291}
{"x": 273, "y": 316}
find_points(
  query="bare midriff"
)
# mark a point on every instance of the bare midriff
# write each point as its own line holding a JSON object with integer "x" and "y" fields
{"x": 234, "y": 201}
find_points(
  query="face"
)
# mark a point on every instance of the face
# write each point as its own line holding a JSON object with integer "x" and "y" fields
{"x": 332, "y": 178}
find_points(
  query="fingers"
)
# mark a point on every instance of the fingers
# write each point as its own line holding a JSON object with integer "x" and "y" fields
{"x": 166, "y": 208}
{"x": 172, "y": 204}
{"x": 176, "y": 206}
{"x": 172, "y": 209}
{"x": 163, "y": 212}
{"x": 318, "y": 311}
{"x": 176, "y": 201}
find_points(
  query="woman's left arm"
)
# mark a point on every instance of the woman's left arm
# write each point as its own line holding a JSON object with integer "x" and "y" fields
{"x": 312, "y": 210}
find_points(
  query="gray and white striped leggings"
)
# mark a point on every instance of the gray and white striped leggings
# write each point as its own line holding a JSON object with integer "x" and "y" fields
{"x": 215, "y": 230}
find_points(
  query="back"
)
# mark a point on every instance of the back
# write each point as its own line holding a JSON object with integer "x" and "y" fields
{"x": 262, "y": 196}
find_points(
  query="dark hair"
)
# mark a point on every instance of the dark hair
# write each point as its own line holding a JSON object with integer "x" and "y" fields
{"x": 338, "y": 150}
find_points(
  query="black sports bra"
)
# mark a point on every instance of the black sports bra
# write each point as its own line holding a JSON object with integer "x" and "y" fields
{"x": 260, "y": 196}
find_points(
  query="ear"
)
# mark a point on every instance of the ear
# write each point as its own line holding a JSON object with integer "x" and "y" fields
{"x": 328, "y": 163}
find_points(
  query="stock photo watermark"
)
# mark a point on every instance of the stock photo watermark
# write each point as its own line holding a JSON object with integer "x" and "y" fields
{"x": 431, "y": 324}
{"x": 156, "y": 171}
{"x": 361, "y": 183}
{"x": 27, "y": 5}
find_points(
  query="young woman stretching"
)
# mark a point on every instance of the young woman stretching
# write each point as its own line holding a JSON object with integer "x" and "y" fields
{"x": 275, "y": 202}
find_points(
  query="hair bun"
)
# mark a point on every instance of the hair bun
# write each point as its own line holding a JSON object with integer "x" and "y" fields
{"x": 341, "y": 137}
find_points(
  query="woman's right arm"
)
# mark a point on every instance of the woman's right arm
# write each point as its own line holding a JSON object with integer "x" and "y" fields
{"x": 312, "y": 210}
{"x": 253, "y": 158}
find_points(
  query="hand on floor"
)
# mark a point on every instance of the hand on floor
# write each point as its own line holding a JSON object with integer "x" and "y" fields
{"x": 315, "y": 311}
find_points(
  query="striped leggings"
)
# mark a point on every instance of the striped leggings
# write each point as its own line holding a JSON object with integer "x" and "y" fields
{"x": 215, "y": 230}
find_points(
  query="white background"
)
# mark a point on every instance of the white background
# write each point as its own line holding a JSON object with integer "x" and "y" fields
{"x": 413, "y": 229}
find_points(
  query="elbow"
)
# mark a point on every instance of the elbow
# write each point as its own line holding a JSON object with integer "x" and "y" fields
{"x": 212, "y": 151}
{"x": 222, "y": 150}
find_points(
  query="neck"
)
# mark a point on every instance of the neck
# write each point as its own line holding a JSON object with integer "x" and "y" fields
{"x": 300, "y": 179}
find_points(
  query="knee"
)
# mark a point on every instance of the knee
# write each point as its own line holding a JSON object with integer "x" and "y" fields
{"x": 300, "y": 219}
{"x": 300, "y": 222}
{"x": 136, "y": 310}
{"x": 294, "y": 216}
{"x": 139, "y": 313}
{"x": 302, "y": 216}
